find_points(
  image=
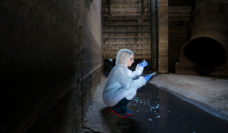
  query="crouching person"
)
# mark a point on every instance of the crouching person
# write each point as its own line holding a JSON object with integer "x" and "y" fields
{"x": 122, "y": 83}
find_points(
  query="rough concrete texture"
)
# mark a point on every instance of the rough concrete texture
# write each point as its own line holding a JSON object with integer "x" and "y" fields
{"x": 205, "y": 51}
{"x": 209, "y": 94}
{"x": 50, "y": 60}
{"x": 163, "y": 36}
{"x": 179, "y": 28}
{"x": 126, "y": 24}
{"x": 93, "y": 118}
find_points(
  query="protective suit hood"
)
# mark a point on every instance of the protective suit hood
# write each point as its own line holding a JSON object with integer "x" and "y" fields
{"x": 123, "y": 56}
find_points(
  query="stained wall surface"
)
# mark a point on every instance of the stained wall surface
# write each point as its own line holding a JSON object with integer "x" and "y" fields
{"x": 179, "y": 28}
{"x": 126, "y": 24}
{"x": 163, "y": 36}
{"x": 50, "y": 62}
{"x": 205, "y": 51}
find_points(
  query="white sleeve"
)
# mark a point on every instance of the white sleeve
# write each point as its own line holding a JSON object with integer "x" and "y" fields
{"x": 138, "y": 71}
{"x": 129, "y": 83}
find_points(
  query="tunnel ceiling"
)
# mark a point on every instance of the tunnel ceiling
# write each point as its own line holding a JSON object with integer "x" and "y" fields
{"x": 126, "y": 24}
{"x": 205, "y": 52}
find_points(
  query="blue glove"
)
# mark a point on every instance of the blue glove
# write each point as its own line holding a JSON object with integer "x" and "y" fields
{"x": 147, "y": 78}
{"x": 143, "y": 63}
{"x": 153, "y": 74}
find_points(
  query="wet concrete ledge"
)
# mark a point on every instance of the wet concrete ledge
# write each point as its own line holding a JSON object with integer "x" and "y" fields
{"x": 209, "y": 94}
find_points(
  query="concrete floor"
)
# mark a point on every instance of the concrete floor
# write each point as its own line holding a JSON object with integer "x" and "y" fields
{"x": 160, "y": 112}
{"x": 209, "y": 94}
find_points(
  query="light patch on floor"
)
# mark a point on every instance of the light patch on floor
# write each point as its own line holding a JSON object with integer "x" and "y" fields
{"x": 207, "y": 93}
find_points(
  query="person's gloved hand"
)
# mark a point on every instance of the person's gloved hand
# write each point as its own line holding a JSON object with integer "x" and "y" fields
{"x": 148, "y": 77}
{"x": 153, "y": 74}
{"x": 143, "y": 63}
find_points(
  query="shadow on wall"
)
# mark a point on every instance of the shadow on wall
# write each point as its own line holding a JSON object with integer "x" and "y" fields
{"x": 42, "y": 80}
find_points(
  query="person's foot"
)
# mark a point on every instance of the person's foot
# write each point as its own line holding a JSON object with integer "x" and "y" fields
{"x": 127, "y": 111}
{"x": 120, "y": 114}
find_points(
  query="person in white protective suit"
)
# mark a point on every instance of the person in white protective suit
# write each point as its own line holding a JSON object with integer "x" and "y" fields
{"x": 122, "y": 83}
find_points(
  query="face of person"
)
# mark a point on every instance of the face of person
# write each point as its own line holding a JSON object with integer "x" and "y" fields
{"x": 131, "y": 60}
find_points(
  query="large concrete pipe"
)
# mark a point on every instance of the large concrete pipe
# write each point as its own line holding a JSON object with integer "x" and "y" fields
{"x": 207, "y": 50}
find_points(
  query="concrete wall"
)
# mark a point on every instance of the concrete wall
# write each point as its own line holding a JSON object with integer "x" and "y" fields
{"x": 50, "y": 62}
{"x": 179, "y": 29}
{"x": 126, "y": 24}
{"x": 206, "y": 50}
{"x": 163, "y": 36}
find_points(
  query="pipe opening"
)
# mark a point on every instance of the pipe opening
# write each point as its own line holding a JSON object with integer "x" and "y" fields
{"x": 205, "y": 52}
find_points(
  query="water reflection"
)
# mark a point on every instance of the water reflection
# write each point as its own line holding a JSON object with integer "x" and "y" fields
{"x": 160, "y": 112}
{"x": 163, "y": 112}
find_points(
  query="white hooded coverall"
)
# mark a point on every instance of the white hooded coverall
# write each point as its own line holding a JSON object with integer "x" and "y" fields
{"x": 121, "y": 82}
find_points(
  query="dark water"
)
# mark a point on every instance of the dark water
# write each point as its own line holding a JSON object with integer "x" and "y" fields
{"x": 157, "y": 111}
